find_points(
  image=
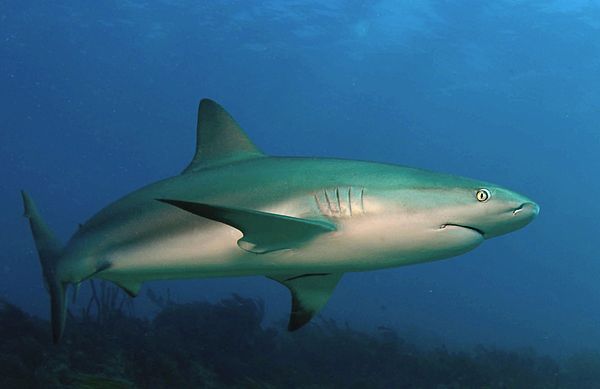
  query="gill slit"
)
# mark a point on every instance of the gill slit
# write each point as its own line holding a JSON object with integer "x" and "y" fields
{"x": 318, "y": 202}
{"x": 328, "y": 201}
{"x": 350, "y": 200}
{"x": 362, "y": 201}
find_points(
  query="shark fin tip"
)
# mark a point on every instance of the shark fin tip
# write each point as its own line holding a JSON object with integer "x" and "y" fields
{"x": 26, "y": 204}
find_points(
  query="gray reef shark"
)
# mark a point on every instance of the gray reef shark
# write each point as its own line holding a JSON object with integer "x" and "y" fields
{"x": 302, "y": 222}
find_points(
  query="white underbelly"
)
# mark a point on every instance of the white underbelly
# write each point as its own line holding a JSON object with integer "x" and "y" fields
{"x": 360, "y": 244}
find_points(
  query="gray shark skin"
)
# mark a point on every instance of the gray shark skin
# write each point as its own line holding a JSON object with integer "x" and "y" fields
{"x": 303, "y": 222}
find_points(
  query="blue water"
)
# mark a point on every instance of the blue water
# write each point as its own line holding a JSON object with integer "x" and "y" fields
{"x": 99, "y": 98}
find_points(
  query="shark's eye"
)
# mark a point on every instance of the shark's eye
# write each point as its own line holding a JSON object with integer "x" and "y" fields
{"x": 483, "y": 195}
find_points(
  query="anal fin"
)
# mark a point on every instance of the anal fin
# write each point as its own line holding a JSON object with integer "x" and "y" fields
{"x": 310, "y": 292}
{"x": 131, "y": 287}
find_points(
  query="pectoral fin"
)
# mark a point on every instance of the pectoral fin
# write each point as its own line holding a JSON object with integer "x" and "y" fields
{"x": 263, "y": 232}
{"x": 310, "y": 293}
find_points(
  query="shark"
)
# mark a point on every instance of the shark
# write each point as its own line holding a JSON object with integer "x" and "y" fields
{"x": 302, "y": 222}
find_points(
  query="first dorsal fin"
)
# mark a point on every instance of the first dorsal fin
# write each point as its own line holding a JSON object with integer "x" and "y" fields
{"x": 219, "y": 139}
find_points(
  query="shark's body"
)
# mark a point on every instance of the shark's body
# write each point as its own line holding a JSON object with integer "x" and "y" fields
{"x": 300, "y": 221}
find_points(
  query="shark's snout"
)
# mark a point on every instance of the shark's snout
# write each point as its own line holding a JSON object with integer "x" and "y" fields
{"x": 524, "y": 214}
{"x": 513, "y": 219}
{"x": 527, "y": 210}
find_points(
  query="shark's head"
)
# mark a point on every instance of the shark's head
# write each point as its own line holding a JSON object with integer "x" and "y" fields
{"x": 426, "y": 216}
{"x": 487, "y": 209}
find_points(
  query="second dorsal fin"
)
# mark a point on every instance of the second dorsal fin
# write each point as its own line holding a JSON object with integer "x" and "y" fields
{"x": 219, "y": 139}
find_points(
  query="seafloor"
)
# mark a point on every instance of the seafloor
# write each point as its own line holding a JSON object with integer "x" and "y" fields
{"x": 224, "y": 345}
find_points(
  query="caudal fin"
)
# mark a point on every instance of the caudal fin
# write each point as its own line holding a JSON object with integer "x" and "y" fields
{"x": 49, "y": 250}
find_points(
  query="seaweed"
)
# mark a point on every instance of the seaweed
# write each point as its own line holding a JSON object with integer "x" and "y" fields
{"x": 226, "y": 344}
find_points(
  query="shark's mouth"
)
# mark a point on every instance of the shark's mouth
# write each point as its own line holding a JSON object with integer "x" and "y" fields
{"x": 461, "y": 226}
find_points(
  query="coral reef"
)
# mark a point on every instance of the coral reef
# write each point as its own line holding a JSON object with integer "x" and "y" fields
{"x": 206, "y": 345}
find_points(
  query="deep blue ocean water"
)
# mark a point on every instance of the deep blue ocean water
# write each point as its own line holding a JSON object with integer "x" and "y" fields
{"x": 99, "y": 98}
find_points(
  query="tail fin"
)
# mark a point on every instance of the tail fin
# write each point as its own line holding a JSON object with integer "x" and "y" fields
{"x": 49, "y": 251}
